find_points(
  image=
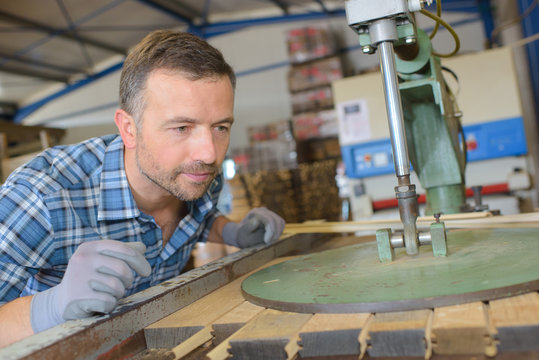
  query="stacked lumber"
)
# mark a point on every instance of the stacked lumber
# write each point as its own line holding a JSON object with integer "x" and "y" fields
{"x": 222, "y": 325}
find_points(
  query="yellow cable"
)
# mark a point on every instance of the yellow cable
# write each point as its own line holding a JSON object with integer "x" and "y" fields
{"x": 439, "y": 14}
{"x": 449, "y": 28}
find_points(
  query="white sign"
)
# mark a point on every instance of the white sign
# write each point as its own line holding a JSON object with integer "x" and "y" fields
{"x": 354, "y": 125}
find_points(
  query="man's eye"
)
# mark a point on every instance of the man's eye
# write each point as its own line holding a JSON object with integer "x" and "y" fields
{"x": 222, "y": 128}
{"x": 182, "y": 129}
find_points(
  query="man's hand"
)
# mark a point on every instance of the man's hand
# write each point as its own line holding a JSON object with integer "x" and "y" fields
{"x": 260, "y": 225}
{"x": 96, "y": 277}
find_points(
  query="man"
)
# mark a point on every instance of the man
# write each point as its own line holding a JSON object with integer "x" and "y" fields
{"x": 82, "y": 226}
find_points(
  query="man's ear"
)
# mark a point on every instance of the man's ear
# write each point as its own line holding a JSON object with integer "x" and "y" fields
{"x": 126, "y": 126}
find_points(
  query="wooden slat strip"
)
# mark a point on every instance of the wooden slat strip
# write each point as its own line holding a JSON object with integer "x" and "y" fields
{"x": 462, "y": 329}
{"x": 234, "y": 320}
{"x": 516, "y": 320}
{"x": 220, "y": 352}
{"x": 332, "y": 335}
{"x": 179, "y": 326}
{"x": 363, "y": 337}
{"x": 481, "y": 220}
{"x": 195, "y": 341}
{"x": 428, "y": 336}
{"x": 398, "y": 334}
{"x": 272, "y": 334}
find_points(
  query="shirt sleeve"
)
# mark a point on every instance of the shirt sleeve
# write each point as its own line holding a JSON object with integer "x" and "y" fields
{"x": 25, "y": 236}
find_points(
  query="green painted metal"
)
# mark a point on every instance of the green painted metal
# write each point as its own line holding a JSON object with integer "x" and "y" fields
{"x": 482, "y": 265}
{"x": 446, "y": 199}
{"x": 433, "y": 132}
{"x": 383, "y": 241}
{"x": 409, "y": 68}
{"x": 438, "y": 238}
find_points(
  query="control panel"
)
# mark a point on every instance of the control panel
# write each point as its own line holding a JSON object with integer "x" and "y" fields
{"x": 484, "y": 141}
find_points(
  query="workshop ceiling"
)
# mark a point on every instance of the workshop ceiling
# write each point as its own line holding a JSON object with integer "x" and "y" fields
{"x": 48, "y": 43}
{"x": 47, "y": 46}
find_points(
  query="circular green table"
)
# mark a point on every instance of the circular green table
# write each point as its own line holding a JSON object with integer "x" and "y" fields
{"x": 482, "y": 265}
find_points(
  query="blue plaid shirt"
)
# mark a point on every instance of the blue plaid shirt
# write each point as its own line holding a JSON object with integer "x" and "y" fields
{"x": 71, "y": 194}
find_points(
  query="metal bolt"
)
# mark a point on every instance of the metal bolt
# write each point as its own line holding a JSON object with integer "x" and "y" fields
{"x": 437, "y": 217}
{"x": 477, "y": 195}
{"x": 410, "y": 40}
{"x": 367, "y": 49}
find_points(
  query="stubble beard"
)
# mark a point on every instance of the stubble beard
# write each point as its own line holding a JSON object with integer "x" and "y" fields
{"x": 169, "y": 181}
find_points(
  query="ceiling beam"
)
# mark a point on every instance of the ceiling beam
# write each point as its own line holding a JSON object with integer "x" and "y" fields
{"x": 82, "y": 45}
{"x": 63, "y": 33}
{"x": 172, "y": 10}
{"x": 283, "y": 5}
{"x": 323, "y": 6}
{"x": 26, "y": 61}
{"x": 34, "y": 74}
{"x": 206, "y": 12}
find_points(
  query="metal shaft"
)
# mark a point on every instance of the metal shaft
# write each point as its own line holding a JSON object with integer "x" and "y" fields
{"x": 384, "y": 33}
{"x": 394, "y": 108}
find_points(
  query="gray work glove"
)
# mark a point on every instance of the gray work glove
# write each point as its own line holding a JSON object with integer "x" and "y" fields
{"x": 96, "y": 277}
{"x": 259, "y": 226}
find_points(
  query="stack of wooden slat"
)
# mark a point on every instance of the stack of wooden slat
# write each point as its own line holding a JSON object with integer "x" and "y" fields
{"x": 277, "y": 190}
{"x": 240, "y": 201}
{"x": 222, "y": 325}
{"x": 319, "y": 191}
{"x": 20, "y": 143}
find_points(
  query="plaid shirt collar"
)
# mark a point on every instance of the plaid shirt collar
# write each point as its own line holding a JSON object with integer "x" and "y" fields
{"x": 114, "y": 181}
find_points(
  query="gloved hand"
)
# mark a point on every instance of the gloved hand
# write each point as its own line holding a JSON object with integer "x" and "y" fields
{"x": 96, "y": 277}
{"x": 260, "y": 225}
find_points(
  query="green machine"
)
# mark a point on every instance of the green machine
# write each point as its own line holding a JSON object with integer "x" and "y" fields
{"x": 424, "y": 122}
{"x": 424, "y": 125}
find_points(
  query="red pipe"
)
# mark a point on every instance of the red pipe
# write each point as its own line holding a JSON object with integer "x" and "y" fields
{"x": 502, "y": 188}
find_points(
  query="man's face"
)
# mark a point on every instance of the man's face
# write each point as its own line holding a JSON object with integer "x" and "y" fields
{"x": 185, "y": 132}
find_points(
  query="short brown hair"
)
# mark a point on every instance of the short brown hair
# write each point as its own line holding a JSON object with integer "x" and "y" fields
{"x": 171, "y": 50}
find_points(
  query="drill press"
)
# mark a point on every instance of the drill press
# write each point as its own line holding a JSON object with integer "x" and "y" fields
{"x": 423, "y": 120}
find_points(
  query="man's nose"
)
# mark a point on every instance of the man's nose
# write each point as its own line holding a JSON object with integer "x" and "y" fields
{"x": 204, "y": 148}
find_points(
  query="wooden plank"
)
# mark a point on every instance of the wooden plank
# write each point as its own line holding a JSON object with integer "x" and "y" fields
{"x": 221, "y": 329}
{"x": 180, "y": 351}
{"x": 332, "y": 335}
{"x": 462, "y": 329}
{"x": 398, "y": 333}
{"x": 179, "y": 326}
{"x": 45, "y": 139}
{"x": 3, "y": 145}
{"x": 466, "y": 220}
{"x": 220, "y": 352}
{"x": 516, "y": 320}
{"x": 271, "y": 335}
{"x": 232, "y": 321}
{"x": 25, "y": 133}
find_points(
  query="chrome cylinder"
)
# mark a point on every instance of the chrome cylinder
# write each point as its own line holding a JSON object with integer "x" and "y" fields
{"x": 394, "y": 109}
